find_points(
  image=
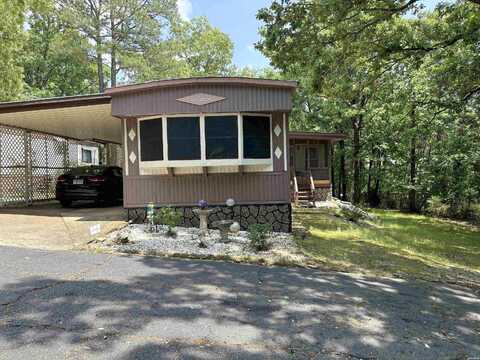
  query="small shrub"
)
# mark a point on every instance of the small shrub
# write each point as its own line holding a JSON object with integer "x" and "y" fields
{"x": 436, "y": 207}
{"x": 168, "y": 217}
{"x": 258, "y": 234}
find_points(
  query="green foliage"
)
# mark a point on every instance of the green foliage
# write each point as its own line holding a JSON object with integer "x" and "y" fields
{"x": 169, "y": 217}
{"x": 55, "y": 58}
{"x": 405, "y": 89}
{"x": 436, "y": 207}
{"x": 258, "y": 235}
{"x": 194, "y": 48}
{"x": 11, "y": 40}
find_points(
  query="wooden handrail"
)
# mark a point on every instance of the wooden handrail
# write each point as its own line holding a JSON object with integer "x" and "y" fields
{"x": 295, "y": 190}
{"x": 312, "y": 184}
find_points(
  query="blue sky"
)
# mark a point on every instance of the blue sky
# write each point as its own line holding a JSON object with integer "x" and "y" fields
{"x": 237, "y": 18}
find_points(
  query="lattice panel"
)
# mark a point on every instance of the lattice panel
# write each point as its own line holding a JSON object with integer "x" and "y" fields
{"x": 73, "y": 153}
{"x": 12, "y": 144}
{"x": 30, "y": 163}
{"x": 13, "y": 177}
{"x": 13, "y": 185}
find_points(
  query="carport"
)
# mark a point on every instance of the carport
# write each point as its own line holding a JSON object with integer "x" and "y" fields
{"x": 40, "y": 139}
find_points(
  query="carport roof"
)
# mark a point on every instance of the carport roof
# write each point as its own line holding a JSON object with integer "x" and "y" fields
{"x": 55, "y": 102}
{"x": 85, "y": 117}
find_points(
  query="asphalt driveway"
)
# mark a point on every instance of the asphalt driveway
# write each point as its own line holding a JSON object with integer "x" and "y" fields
{"x": 77, "y": 305}
{"x": 49, "y": 226}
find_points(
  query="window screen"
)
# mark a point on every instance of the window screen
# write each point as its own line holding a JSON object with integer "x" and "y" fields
{"x": 221, "y": 137}
{"x": 151, "y": 141}
{"x": 256, "y": 137}
{"x": 183, "y": 138}
{"x": 313, "y": 157}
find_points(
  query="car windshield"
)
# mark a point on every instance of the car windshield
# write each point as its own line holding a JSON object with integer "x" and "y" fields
{"x": 87, "y": 170}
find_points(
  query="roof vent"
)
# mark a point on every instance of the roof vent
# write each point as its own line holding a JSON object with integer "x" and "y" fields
{"x": 200, "y": 99}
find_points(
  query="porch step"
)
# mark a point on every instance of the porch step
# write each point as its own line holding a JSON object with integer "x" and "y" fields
{"x": 303, "y": 203}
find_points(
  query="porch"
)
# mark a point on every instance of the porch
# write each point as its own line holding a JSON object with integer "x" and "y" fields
{"x": 310, "y": 166}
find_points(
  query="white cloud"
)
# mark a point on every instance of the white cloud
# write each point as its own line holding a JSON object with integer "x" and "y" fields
{"x": 185, "y": 9}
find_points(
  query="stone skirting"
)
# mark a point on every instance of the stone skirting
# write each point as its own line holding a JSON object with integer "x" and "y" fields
{"x": 279, "y": 216}
{"x": 323, "y": 194}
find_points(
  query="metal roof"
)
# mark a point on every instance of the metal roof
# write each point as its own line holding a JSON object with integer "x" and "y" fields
{"x": 312, "y": 135}
{"x": 212, "y": 80}
{"x": 55, "y": 102}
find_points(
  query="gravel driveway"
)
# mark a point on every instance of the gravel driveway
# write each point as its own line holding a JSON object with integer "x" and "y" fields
{"x": 72, "y": 305}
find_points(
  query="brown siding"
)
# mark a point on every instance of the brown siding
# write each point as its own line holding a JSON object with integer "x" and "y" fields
{"x": 237, "y": 99}
{"x": 132, "y": 147}
{"x": 253, "y": 188}
{"x": 277, "y": 141}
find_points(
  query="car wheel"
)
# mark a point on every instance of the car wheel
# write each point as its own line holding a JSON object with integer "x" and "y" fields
{"x": 65, "y": 203}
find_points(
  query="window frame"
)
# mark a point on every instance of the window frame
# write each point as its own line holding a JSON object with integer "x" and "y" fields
{"x": 203, "y": 161}
{"x": 255, "y": 161}
{"x": 139, "y": 149}
{"x": 239, "y": 135}
{"x": 201, "y": 130}
{"x": 94, "y": 153}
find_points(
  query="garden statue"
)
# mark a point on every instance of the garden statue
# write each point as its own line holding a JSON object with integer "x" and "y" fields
{"x": 150, "y": 212}
{"x": 225, "y": 225}
{"x": 203, "y": 213}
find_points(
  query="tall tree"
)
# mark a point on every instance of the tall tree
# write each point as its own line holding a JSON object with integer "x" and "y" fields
{"x": 55, "y": 58}
{"x": 405, "y": 84}
{"x": 194, "y": 48}
{"x": 11, "y": 41}
{"x": 118, "y": 29}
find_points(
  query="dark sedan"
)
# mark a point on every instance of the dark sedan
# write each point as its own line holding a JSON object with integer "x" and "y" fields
{"x": 96, "y": 183}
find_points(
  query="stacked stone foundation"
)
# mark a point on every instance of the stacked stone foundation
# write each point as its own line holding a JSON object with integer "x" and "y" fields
{"x": 279, "y": 216}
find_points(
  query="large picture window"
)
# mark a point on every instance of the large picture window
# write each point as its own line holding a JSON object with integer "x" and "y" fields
{"x": 256, "y": 137}
{"x": 221, "y": 137}
{"x": 183, "y": 135}
{"x": 151, "y": 140}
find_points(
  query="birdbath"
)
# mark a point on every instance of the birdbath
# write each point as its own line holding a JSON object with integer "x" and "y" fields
{"x": 203, "y": 216}
{"x": 224, "y": 227}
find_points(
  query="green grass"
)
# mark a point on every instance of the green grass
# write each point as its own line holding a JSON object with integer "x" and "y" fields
{"x": 397, "y": 244}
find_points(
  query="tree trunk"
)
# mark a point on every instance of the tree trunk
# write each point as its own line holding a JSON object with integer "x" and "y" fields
{"x": 113, "y": 68}
{"x": 356, "y": 125}
{"x": 99, "y": 50}
{"x": 412, "y": 193}
{"x": 369, "y": 181}
{"x": 113, "y": 53}
{"x": 342, "y": 178}
{"x": 101, "y": 83}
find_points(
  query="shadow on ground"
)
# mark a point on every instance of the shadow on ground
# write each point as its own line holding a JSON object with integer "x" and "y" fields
{"x": 151, "y": 308}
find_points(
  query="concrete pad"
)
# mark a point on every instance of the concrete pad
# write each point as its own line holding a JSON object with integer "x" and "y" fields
{"x": 49, "y": 226}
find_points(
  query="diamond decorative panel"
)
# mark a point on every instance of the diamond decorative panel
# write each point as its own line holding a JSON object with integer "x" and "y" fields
{"x": 277, "y": 130}
{"x": 132, "y": 157}
{"x": 131, "y": 134}
{"x": 200, "y": 99}
{"x": 278, "y": 152}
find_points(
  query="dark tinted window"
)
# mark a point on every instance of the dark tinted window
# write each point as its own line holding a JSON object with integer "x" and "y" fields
{"x": 221, "y": 137}
{"x": 183, "y": 138}
{"x": 256, "y": 137}
{"x": 151, "y": 141}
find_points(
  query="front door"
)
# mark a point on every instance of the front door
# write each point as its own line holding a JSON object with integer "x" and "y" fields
{"x": 300, "y": 158}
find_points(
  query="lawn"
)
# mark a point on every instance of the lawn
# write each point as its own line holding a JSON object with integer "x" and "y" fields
{"x": 398, "y": 244}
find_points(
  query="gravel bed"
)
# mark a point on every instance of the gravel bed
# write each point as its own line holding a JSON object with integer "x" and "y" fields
{"x": 187, "y": 241}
